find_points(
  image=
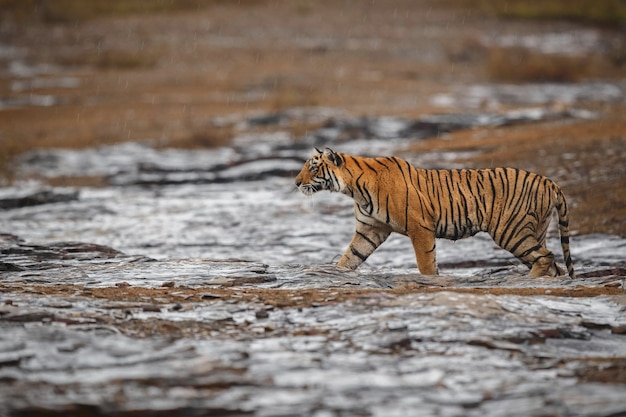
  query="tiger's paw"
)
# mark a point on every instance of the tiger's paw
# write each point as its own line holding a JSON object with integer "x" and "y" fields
{"x": 545, "y": 267}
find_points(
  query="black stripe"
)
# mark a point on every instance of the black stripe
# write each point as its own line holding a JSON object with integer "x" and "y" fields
{"x": 450, "y": 201}
{"x": 358, "y": 254}
{"x": 505, "y": 195}
{"x": 356, "y": 162}
{"x": 423, "y": 209}
{"x": 517, "y": 245}
{"x": 516, "y": 209}
{"x": 433, "y": 249}
{"x": 370, "y": 167}
{"x": 364, "y": 223}
{"x": 406, "y": 184}
{"x": 365, "y": 194}
{"x": 436, "y": 194}
{"x": 333, "y": 179}
{"x": 381, "y": 163}
{"x": 427, "y": 228}
{"x": 367, "y": 239}
{"x": 406, "y": 206}
{"x": 512, "y": 231}
{"x": 395, "y": 160}
{"x": 493, "y": 195}
{"x": 534, "y": 248}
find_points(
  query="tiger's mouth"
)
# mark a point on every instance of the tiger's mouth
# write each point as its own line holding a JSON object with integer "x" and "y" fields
{"x": 308, "y": 189}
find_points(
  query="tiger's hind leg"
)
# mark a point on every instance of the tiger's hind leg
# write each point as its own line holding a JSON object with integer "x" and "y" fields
{"x": 542, "y": 232}
{"x": 545, "y": 265}
{"x": 534, "y": 255}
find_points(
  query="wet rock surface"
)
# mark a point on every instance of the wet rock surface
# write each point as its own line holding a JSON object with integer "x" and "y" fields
{"x": 36, "y": 198}
{"x": 189, "y": 286}
{"x": 209, "y": 304}
{"x": 428, "y": 344}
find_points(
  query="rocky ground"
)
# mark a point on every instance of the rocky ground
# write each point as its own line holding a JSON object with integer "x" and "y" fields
{"x": 157, "y": 259}
{"x": 88, "y": 330}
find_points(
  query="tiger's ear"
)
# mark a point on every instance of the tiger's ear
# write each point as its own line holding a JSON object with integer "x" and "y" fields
{"x": 333, "y": 157}
{"x": 317, "y": 150}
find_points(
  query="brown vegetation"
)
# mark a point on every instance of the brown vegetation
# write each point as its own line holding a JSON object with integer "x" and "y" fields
{"x": 73, "y": 11}
{"x": 519, "y": 65}
{"x": 612, "y": 12}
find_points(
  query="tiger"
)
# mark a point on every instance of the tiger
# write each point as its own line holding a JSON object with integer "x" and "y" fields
{"x": 390, "y": 195}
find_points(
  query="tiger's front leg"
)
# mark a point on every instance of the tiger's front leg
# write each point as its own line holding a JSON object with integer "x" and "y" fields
{"x": 364, "y": 242}
{"x": 424, "y": 244}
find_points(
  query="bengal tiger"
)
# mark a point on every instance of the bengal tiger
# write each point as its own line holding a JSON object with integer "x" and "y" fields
{"x": 391, "y": 195}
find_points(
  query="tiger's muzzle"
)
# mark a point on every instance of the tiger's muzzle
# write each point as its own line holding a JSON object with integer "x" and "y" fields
{"x": 307, "y": 189}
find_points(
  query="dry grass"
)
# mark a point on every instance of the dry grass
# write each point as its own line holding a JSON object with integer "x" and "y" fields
{"x": 73, "y": 11}
{"x": 294, "y": 96}
{"x": 206, "y": 138}
{"x": 612, "y": 12}
{"x": 596, "y": 12}
{"x": 519, "y": 64}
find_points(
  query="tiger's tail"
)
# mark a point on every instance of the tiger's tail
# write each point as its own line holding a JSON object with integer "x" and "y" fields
{"x": 561, "y": 207}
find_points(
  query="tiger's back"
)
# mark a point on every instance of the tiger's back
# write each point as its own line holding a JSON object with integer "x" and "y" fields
{"x": 468, "y": 201}
{"x": 390, "y": 195}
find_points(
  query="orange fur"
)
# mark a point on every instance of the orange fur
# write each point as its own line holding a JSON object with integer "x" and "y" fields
{"x": 390, "y": 195}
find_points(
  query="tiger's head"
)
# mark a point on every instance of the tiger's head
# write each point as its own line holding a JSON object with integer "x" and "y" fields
{"x": 321, "y": 172}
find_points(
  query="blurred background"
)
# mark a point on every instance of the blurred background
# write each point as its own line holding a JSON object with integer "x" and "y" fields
{"x": 183, "y": 73}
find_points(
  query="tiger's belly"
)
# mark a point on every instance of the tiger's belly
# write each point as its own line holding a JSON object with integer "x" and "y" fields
{"x": 458, "y": 229}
